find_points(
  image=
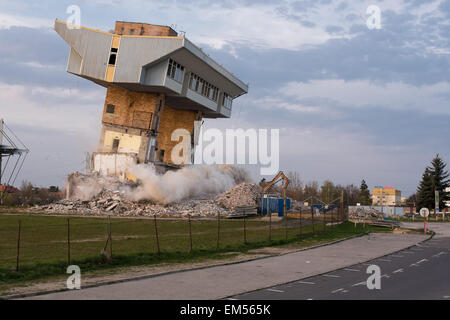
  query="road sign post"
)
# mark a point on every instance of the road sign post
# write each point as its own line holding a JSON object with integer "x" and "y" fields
{"x": 424, "y": 212}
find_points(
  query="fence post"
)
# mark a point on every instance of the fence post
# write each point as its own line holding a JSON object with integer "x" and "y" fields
{"x": 300, "y": 222}
{"x": 156, "y": 235}
{"x": 218, "y": 230}
{"x": 285, "y": 228}
{"x": 245, "y": 232}
{"x": 68, "y": 241}
{"x": 18, "y": 247}
{"x": 190, "y": 232}
{"x": 270, "y": 224}
{"x": 110, "y": 237}
{"x": 324, "y": 221}
{"x": 312, "y": 217}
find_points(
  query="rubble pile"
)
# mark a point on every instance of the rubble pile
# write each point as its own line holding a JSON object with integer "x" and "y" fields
{"x": 364, "y": 213}
{"x": 116, "y": 205}
{"x": 243, "y": 194}
{"x": 92, "y": 194}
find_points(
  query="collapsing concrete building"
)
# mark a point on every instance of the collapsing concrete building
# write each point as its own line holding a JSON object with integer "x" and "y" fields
{"x": 156, "y": 82}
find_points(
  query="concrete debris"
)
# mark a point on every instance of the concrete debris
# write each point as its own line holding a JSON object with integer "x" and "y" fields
{"x": 243, "y": 194}
{"x": 363, "y": 213}
{"x": 97, "y": 195}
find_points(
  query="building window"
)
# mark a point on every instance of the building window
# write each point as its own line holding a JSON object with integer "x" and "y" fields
{"x": 202, "y": 87}
{"x": 175, "y": 71}
{"x": 110, "y": 108}
{"x": 115, "y": 146}
{"x": 113, "y": 57}
{"x": 131, "y": 31}
{"x": 227, "y": 101}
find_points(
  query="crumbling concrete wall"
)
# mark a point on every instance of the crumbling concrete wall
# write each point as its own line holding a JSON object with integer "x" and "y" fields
{"x": 113, "y": 164}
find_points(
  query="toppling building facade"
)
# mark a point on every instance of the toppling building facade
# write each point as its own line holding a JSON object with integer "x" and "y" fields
{"x": 157, "y": 82}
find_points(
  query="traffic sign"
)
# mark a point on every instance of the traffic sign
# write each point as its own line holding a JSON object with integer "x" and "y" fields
{"x": 424, "y": 212}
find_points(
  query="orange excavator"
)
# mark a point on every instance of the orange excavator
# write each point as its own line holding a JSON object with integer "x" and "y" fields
{"x": 279, "y": 177}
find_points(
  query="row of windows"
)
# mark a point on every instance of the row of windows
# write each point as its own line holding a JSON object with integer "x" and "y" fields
{"x": 197, "y": 84}
{"x": 204, "y": 88}
{"x": 175, "y": 71}
{"x": 227, "y": 101}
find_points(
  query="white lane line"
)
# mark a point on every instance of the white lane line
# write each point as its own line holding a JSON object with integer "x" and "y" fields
{"x": 275, "y": 290}
{"x": 341, "y": 289}
{"x": 353, "y": 270}
{"x": 309, "y": 299}
{"x": 399, "y": 270}
{"x": 231, "y": 299}
{"x": 305, "y": 282}
{"x": 387, "y": 260}
{"x": 385, "y": 276}
{"x": 359, "y": 283}
{"x": 396, "y": 256}
{"x": 423, "y": 260}
{"x": 331, "y": 276}
{"x": 439, "y": 254}
{"x": 446, "y": 297}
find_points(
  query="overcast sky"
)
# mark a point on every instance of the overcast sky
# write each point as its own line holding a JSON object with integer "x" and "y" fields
{"x": 351, "y": 102}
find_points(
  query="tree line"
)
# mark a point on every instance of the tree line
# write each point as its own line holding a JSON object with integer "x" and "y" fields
{"x": 434, "y": 181}
{"x": 327, "y": 192}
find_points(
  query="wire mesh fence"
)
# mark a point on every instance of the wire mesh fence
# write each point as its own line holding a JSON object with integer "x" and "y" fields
{"x": 30, "y": 240}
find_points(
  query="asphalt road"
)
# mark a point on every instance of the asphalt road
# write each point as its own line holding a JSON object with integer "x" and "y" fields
{"x": 420, "y": 272}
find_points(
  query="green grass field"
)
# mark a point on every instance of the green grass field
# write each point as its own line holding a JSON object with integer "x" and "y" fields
{"x": 44, "y": 241}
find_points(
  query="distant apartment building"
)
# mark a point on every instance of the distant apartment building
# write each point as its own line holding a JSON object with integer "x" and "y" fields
{"x": 386, "y": 196}
{"x": 447, "y": 203}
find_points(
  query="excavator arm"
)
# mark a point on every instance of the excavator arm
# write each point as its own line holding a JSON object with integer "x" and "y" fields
{"x": 280, "y": 176}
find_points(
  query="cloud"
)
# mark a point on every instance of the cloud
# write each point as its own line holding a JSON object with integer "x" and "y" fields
{"x": 361, "y": 94}
{"x": 7, "y": 21}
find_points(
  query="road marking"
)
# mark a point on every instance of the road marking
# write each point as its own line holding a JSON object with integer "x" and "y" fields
{"x": 397, "y": 256}
{"x": 359, "y": 283}
{"x": 231, "y": 299}
{"x": 337, "y": 290}
{"x": 354, "y": 270}
{"x": 331, "y": 276}
{"x": 399, "y": 270}
{"x": 446, "y": 297}
{"x": 439, "y": 254}
{"x": 387, "y": 260}
{"x": 275, "y": 290}
{"x": 385, "y": 276}
{"x": 309, "y": 299}
{"x": 423, "y": 260}
{"x": 305, "y": 282}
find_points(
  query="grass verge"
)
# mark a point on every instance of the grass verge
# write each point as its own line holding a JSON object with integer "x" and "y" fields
{"x": 43, "y": 247}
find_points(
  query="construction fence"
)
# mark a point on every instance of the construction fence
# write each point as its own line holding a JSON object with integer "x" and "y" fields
{"x": 32, "y": 239}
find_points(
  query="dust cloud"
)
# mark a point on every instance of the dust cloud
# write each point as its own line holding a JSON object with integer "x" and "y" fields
{"x": 186, "y": 183}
